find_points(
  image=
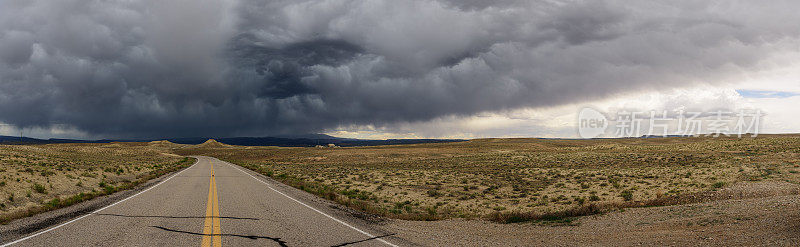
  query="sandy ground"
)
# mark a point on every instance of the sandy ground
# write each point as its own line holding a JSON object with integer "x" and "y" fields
{"x": 748, "y": 214}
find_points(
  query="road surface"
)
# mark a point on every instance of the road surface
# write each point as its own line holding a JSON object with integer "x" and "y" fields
{"x": 234, "y": 207}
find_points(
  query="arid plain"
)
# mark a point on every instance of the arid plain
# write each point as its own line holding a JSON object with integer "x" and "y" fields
{"x": 510, "y": 180}
{"x": 494, "y": 189}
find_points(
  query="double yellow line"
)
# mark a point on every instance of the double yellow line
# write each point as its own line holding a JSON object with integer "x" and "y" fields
{"x": 212, "y": 232}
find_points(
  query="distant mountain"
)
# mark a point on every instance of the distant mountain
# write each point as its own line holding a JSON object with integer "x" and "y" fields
{"x": 309, "y": 136}
{"x": 303, "y": 140}
{"x": 307, "y": 142}
{"x": 28, "y": 140}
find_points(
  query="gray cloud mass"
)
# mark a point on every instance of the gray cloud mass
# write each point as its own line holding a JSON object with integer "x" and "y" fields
{"x": 197, "y": 68}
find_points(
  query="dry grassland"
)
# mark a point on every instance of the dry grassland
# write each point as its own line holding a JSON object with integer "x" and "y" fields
{"x": 37, "y": 178}
{"x": 510, "y": 180}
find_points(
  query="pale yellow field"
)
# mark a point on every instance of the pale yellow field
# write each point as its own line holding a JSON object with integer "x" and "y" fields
{"x": 36, "y": 178}
{"x": 496, "y": 177}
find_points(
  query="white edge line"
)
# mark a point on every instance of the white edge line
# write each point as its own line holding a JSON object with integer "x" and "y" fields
{"x": 96, "y": 211}
{"x": 312, "y": 208}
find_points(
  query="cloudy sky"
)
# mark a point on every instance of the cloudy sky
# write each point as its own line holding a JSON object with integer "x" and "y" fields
{"x": 385, "y": 68}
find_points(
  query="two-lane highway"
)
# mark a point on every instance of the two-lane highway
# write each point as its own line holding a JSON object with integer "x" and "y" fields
{"x": 214, "y": 203}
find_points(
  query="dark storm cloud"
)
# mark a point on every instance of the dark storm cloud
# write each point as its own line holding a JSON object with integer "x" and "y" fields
{"x": 188, "y": 68}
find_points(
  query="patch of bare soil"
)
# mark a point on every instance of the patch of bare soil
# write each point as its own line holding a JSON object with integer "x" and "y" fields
{"x": 746, "y": 214}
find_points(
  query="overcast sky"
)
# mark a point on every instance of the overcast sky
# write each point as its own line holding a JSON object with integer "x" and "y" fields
{"x": 384, "y": 68}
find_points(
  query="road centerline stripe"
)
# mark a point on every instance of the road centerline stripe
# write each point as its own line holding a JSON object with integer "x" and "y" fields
{"x": 212, "y": 231}
{"x": 217, "y": 239}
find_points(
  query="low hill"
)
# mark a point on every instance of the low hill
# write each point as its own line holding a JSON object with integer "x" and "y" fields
{"x": 211, "y": 143}
{"x": 164, "y": 143}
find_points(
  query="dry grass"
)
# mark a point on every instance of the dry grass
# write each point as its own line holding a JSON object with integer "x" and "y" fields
{"x": 506, "y": 179}
{"x": 37, "y": 178}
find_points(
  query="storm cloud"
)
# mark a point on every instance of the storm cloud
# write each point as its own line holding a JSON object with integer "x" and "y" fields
{"x": 225, "y": 68}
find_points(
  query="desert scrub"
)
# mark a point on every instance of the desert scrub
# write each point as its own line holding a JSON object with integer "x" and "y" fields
{"x": 45, "y": 175}
{"x": 39, "y": 188}
{"x": 472, "y": 179}
{"x": 626, "y": 195}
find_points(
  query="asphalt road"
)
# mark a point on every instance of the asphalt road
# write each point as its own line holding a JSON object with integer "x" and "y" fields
{"x": 234, "y": 207}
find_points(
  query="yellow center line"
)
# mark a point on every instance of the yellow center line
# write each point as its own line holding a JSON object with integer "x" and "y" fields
{"x": 212, "y": 232}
